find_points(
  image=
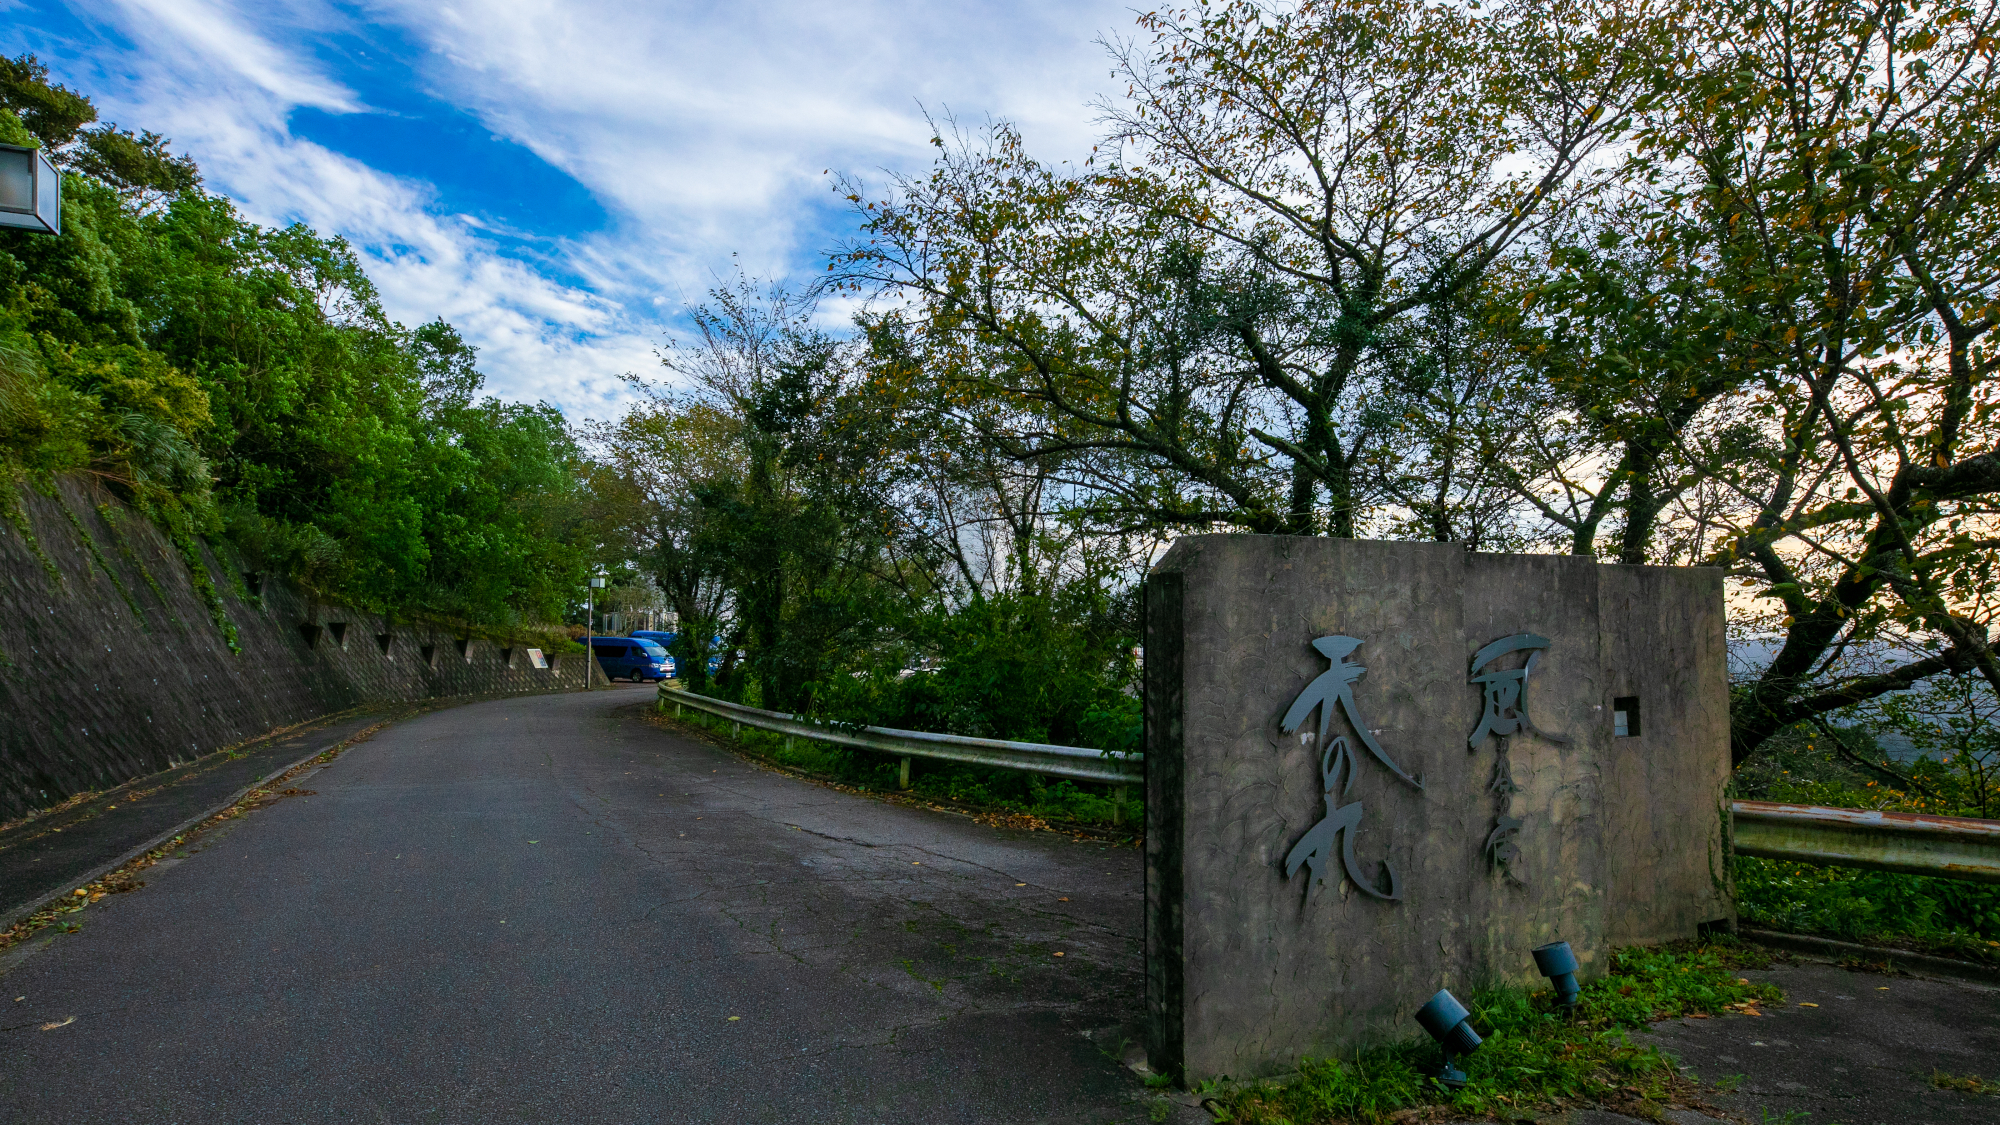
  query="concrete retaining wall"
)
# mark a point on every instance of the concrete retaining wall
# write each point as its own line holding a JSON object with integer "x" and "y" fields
{"x": 1615, "y": 839}
{"x": 113, "y": 667}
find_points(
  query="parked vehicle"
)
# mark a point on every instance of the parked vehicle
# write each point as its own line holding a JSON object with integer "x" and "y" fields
{"x": 634, "y": 658}
{"x": 666, "y": 641}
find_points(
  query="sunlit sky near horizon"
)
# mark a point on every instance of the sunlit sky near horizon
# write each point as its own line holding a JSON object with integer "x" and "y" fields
{"x": 562, "y": 179}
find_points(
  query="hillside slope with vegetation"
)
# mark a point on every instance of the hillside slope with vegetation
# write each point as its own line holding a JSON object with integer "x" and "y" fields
{"x": 242, "y": 384}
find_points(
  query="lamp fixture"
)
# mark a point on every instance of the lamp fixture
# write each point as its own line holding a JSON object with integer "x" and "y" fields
{"x": 1451, "y": 1025}
{"x": 30, "y": 190}
{"x": 1558, "y": 963}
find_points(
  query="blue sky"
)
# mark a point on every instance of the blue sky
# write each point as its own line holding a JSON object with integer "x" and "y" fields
{"x": 560, "y": 180}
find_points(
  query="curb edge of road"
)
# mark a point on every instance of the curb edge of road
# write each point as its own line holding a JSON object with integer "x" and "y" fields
{"x": 1829, "y": 947}
{"x": 12, "y": 915}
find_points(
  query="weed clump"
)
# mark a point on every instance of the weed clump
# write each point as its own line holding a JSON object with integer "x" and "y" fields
{"x": 1533, "y": 1056}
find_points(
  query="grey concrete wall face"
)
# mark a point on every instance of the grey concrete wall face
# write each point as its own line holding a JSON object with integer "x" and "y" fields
{"x": 113, "y": 668}
{"x": 1619, "y": 839}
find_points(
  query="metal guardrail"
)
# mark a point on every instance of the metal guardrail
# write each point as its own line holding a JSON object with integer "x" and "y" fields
{"x": 1945, "y": 846}
{"x": 1035, "y": 757}
{"x": 1951, "y": 847}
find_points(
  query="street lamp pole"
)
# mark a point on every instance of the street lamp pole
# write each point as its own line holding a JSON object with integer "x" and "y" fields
{"x": 589, "y": 630}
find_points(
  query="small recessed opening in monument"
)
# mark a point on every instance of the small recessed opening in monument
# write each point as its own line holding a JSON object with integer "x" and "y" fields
{"x": 1625, "y": 716}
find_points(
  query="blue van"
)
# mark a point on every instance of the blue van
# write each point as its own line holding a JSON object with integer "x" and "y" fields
{"x": 634, "y": 658}
{"x": 666, "y": 640}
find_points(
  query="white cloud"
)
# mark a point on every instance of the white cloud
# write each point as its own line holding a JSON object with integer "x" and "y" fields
{"x": 702, "y": 129}
{"x": 212, "y": 31}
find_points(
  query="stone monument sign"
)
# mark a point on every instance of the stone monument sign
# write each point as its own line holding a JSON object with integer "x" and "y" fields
{"x": 1379, "y": 769}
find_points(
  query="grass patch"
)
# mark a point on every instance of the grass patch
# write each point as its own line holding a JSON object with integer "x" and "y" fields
{"x": 1533, "y": 1057}
{"x": 1963, "y": 1083}
{"x": 1947, "y": 917}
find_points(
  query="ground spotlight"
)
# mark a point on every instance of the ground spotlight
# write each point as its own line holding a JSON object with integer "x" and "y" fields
{"x": 1559, "y": 965}
{"x": 1448, "y": 1022}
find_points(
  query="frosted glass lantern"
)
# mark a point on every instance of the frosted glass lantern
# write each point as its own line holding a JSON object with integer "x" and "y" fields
{"x": 30, "y": 190}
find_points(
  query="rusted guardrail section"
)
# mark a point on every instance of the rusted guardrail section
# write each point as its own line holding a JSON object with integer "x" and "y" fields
{"x": 1036, "y": 757}
{"x": 1953, "y": 847}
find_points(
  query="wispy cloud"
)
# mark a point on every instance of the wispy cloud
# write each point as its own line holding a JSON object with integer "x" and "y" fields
{"x": 700, "y": 130}
{"x": 211, "y": 34}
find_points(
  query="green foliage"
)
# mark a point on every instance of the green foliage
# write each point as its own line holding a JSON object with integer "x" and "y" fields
{"x": 1947, "y": 916}
{"x": 1023, "y": 667}
{"x": 805, "y": 516}
{"x": 232, "y": 380}
{"x": 12, "y": 132}
{"x": 1532, "y": 1056}
{"x": 51, "y": 112}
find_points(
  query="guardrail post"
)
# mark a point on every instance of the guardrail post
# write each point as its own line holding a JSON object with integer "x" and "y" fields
{"x": 736, "y": 731}
{"x": 903, "y": 778}
{"x": 1117, "y": 804}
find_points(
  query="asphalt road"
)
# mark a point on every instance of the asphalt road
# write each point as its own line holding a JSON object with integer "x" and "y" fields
{"x": 1847, "y": 1047}
{"x": 546, "y": 909}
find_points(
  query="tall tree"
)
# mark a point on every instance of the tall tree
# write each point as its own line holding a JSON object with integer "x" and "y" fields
{"x": 1785, "y": 359}
{"x": 1215, "y": 299}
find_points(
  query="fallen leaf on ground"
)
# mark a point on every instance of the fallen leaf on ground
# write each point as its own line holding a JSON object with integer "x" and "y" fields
{"x": 58, "y": 1023}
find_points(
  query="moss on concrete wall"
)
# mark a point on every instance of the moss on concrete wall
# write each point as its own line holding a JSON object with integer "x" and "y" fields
{"x": 114, "y": 663}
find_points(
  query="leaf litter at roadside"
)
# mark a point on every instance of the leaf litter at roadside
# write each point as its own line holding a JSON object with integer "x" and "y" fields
{"x": 61, "y": 912}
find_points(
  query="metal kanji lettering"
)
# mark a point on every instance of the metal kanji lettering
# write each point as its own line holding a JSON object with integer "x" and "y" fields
{"x": 1335, "y": 688}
